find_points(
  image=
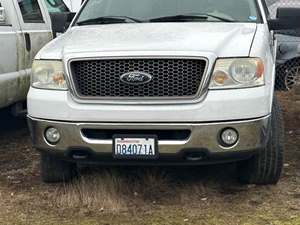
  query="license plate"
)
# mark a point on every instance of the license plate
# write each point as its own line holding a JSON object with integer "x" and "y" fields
{"x": 135, "y": 147}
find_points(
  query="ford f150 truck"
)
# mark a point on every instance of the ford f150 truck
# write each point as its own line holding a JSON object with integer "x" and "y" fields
{"x": 150, "y": 82}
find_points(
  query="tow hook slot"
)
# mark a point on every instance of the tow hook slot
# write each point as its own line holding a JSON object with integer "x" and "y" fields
{"x": 79, "y": 155}
{"x": 194, "y": 156}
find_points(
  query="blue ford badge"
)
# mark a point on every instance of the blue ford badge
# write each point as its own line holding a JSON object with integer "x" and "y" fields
{"x": 136, "y": 78}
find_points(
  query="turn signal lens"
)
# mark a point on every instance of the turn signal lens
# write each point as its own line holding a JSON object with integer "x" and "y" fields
{"x": 260, "y": 68}
{"x": 59, "y": 79}
{"x": 220, "y": 77}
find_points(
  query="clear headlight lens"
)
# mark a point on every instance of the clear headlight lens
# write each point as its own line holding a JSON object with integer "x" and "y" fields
{"x": 48, "y": 74}
{"x": 238, "y": 73}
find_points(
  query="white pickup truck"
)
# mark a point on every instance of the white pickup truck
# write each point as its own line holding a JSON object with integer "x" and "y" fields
{"x": 25, "y": 27}
{"x": 24, "y": 30}
{"x": 150, "y": 82}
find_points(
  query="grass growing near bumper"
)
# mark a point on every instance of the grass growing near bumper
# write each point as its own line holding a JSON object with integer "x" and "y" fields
{"x": 111, "y": 190}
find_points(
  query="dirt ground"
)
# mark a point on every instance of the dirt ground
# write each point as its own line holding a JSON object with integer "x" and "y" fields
{"x": 207, "y": 195}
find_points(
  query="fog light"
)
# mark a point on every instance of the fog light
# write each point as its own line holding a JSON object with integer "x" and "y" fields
{"x": 229, "y": 137}
{"x": 52, "y": 135}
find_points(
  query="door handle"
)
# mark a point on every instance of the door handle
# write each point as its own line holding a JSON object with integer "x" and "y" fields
{"x": 27, "y": 42}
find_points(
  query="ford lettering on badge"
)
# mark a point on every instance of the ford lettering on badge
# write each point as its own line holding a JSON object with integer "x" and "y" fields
{"x": 136, "y": 78}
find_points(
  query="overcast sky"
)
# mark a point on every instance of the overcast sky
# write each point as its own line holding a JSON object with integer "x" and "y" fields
{"x": 74, "y": 5}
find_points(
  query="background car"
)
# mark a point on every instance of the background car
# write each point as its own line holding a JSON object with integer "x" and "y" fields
{"x": 288, "y": 58}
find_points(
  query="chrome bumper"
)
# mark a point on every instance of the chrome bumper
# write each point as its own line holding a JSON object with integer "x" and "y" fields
{"x": 203, "y": 136}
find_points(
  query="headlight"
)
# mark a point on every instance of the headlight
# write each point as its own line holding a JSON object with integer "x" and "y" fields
{"x": 238, "y": 73}
{"x": 47, "y": 74}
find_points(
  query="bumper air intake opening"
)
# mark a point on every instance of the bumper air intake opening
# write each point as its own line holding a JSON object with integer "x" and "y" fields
{"x": 162, "y": 135}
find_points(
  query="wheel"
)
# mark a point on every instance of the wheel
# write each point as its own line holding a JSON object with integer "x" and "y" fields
{"x": 288, "y": 75}
{"x": 292, "y": 78}
{"x": 54, "y": 170}
{"x": 266, "y": 166}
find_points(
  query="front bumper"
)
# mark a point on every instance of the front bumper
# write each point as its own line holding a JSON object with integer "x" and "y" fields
{"x": 200, "y": 147}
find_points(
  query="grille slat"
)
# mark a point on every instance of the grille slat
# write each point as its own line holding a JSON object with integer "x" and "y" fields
{"x": 172, "y": 78}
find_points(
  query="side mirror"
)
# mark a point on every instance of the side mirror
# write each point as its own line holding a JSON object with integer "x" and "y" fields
{"x": 2, "y": 15}
{"x": 60, "y": 22}
{"x": 286, "y": 19}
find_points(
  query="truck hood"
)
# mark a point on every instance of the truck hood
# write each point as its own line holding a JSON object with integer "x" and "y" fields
{"x": 220, "y": 39}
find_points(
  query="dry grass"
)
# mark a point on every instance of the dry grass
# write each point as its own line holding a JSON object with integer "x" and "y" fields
{"x": 117, "y": 190}
{"x": 103, "y": 192}
{"x": 110, "y": 190}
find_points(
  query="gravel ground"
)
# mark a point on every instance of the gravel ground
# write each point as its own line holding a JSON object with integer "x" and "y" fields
{"x": 135, "y": 195}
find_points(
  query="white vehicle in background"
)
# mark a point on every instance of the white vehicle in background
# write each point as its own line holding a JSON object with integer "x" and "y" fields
{"x": 149, "y": 82}
{"x": 25, "y": 27}
{"x": 63, "y": 5}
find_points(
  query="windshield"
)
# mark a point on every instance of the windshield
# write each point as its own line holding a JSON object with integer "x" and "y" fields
{"x": 147, "y": 10}
{"x": 55, "y": 6}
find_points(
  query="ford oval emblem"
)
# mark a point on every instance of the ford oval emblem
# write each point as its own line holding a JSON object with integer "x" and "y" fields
{"x": 136, "y": 78}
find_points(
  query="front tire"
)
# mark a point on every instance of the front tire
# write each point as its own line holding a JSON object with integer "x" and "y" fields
{"x": 266, "y": 167}
{"x": 54, "y": 170}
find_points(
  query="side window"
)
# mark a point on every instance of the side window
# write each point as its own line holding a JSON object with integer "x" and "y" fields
{"x": 55, "y": 6}
{"x": 31, "y": 11}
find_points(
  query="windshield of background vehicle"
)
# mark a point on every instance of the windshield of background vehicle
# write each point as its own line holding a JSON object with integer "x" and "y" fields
{"x": 145, "y": 10}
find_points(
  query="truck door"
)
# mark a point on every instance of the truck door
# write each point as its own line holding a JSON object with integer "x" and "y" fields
{"x": 8, "y": 40}
{"x": 35, "y": 26}
{"x": 10, "y": 48}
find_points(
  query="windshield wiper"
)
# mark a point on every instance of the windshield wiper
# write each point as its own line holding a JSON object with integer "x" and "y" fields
{"x": 221, "y": 18}
{"x": 190, "y": 17}
{"x": 109, "y": 19}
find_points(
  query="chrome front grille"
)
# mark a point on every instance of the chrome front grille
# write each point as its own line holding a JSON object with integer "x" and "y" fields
{"x": 171, "y": 78}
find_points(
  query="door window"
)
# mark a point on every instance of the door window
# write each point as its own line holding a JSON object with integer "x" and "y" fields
{"x": 31, "y": 11}
{"x": 55, "y": 6}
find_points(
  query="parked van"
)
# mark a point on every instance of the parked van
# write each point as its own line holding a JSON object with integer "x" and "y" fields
{"x": 25, "y": 27}
{"x": 152, "y": 82}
